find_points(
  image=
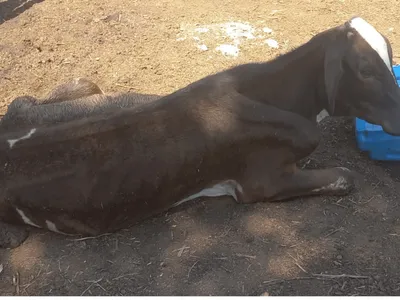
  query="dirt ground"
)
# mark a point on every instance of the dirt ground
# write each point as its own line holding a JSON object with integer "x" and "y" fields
{"x": 209, "y": 247}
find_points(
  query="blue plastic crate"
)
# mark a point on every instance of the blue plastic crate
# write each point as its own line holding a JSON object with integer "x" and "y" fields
{"x": 371, "y": 138}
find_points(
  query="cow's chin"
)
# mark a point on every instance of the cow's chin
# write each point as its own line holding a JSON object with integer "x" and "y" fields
{"x": 392, "y": 128}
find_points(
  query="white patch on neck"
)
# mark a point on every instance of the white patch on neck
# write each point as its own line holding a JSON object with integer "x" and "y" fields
{"x": 26, "y": 136}
{"x": 373, "y": 38}
{"x": 25, "y": 218}
{"x": 322, "y": 115}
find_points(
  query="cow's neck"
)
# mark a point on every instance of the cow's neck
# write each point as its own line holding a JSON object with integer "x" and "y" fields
{"x": 293, "y": 81}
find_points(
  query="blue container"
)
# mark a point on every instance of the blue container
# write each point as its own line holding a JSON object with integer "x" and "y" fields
{"x": 371, "y": 138}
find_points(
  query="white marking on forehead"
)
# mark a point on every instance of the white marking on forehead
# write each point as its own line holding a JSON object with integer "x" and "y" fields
{"x": 24, "y": 137}
{"x": 373, "y": 38}
{"x": 322, "y": 115}
{"x": 25, "y": 218}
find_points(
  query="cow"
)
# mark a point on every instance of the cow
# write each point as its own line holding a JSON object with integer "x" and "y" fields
{"x": 75, "y": 99}
{"x": 239, "y": 132}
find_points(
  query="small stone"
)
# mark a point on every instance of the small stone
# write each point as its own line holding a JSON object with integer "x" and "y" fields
{"x": 339, "y": 257}
{"x": 272, "y": 43}
{"x": 267, "y": 30}
{"x": 162, "y": 264}
{"x": 377, "y": 277}
{"x": 265, "y": 294}
{"x": 203, "y": 47}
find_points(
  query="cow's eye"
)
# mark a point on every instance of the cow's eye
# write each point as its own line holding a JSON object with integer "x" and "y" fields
{"x": 367, "y": 72}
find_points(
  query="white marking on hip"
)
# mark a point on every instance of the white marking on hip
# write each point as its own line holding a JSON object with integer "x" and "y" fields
{"x": 52, "y": 227}
{"x": 26, "y": 219}
{"x": 226, "y": 188}
{"x": 322, "y": 115}
{"x": 24, "y": 137}
{"x": 373, "y": 38}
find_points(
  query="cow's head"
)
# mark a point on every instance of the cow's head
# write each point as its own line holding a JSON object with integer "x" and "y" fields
{"x": 359, "y": 78}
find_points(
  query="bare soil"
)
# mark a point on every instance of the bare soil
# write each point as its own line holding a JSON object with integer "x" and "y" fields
{"x": 211, "y": 246}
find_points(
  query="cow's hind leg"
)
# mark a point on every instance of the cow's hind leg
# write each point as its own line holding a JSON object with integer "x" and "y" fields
{"x": 11, "y": 236}
{"x": 72, "y": 90}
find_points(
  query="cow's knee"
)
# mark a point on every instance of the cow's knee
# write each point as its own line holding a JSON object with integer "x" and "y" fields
{"x": 305, "y": 140}
{"x": 17, "y": 107}
{"x": 11, "y": 236}
{"x": 20, "y": 104}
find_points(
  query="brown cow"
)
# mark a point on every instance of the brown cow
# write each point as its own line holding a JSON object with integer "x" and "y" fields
{"x": 239, "y": 132}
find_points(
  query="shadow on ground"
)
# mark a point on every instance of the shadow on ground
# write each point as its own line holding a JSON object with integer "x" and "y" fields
{"x": 10, "y": 9}
{"x": 217, "y": 247}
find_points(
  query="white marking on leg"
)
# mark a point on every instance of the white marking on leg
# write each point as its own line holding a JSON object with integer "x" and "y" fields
{"x": 52, "y": 227}
{"x": 24, "y": 137}
{"x": 26, "y": 219}
{"x": 373, "y": 38}
{"x": 226, "y": 188}
{"x": 322, "y": 115}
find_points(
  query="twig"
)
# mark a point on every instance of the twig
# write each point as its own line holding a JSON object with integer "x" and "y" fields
{"x": 340, "y": 276}
{"x": 125, "y": 86}
{"x": 126, "y": 275}
{"x": 297, "y": 264}
{"x": 277, "y": 281}
{"x": 221, "y": 258}
{"x": 340, "y": 205}
{"x": 92, "y": 283}
{"x": 33, "y": 73}
{"x": 16, "y": 283}
{"x": 180, "y": 250}
{"x": 246, "y": 256}
{"x": 99, "y": 285}
{"x": 190, "y": 270}
{"x": 90, "y": 237}
{"x": 295, "y": 245}
{"x": 316, "y": 277}
{"x": 333, "y": 232}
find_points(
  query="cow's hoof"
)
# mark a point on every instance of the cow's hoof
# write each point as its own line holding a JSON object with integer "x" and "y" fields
{"x": 336, "y": 181}
{"x": 344, "y": 183}
{"x": 12, "y": 236}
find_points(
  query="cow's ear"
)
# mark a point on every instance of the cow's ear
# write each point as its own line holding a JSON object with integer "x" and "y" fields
{"x": 333, "y": 68}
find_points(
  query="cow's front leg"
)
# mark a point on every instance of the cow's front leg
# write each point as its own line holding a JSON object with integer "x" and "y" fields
{"x": 11, "y": 236}
{"x": 333, "y": 181}
{"x": 286, "y": 181}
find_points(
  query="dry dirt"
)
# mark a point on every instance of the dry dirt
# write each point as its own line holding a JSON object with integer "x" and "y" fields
{"x": 210, "y": 247}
